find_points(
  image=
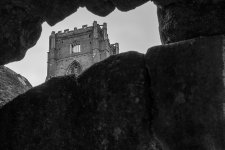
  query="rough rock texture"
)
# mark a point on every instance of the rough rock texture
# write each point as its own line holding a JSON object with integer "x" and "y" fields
{"x": 11, "y": 85}
{"x": 21, "y": 20}
{"x": 106, "y": 108}
{"x": 182, "y": 20}
{"x": 187, "y": 85}
{"x": 162, "y": 3}
{"x": 169, "y": 2}
{"x": 175, "y": 94}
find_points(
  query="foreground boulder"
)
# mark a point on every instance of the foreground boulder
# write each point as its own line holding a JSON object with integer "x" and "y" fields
{"x": 186, "y": 19}
{"x": 11, "y": 85}
{"x": 175, "y": 94}
{"x": 106, "y": 108}
{"x": 188, "y": 88}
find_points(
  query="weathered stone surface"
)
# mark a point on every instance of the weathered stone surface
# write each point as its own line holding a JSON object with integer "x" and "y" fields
{"x": 106, "y": 108}
{"x": 187, "y": 85}
{"x": 21, "y": 20}
{"x": 162, "y": 3}
{"x": 11, "y": 85}
{"x": 62, "y": 62}
{"x": 18, "y": 31}
{"x": 182, "y": 20}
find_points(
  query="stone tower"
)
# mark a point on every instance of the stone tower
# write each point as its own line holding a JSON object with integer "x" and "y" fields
{"x": 71, "y": 52}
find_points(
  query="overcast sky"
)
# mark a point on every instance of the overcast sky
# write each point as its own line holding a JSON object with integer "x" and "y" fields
{"x": 136, "y": 30}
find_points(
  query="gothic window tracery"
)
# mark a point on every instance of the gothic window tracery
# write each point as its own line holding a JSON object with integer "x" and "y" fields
{"x": 74, "y": 68}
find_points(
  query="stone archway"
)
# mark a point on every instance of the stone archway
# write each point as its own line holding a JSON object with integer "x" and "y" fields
{"x": 74, "y": 68}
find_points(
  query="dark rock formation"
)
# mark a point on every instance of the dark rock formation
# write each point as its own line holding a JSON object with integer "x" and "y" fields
{"x": 162, "y": 3}
{"x": 21, "y": 20}
{"x": 187, "y": 85}
{"x": 117, "y": 104}
{"x": 186, "y": 19}
{"x": 11, "y": 85}
{"x": 104, "y": 7}
{"x": 107, "y": 107}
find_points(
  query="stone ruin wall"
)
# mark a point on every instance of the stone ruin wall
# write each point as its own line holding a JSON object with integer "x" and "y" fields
{"x": 63, "y": 56}
{"x": 94, "y": 47}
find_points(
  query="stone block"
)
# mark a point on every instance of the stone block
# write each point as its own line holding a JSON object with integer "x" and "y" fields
{"x": 11, "y": 85}
{"x": 187, "y": 19}
{"x": 187, "y": 87}
{"x": 105, "y": 108}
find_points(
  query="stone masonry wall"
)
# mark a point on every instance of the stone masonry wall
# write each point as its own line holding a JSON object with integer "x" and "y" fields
{"x": 62, "y": 44}
{"x": 94, "y": 47}
{"x": 85, "y": 60}
{"x": 64, "y": 56}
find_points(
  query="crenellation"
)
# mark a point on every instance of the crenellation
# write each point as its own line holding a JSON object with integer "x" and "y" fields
{"x": 66, "y": 30}
{"x": 74, "y": 32}
{"x": 84, "y": 26}
{"x": 86, "y": 46}
{"x": 104, "y": 25}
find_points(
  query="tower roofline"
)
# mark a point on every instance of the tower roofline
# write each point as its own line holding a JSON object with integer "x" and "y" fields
{"x": 84, "y": 28}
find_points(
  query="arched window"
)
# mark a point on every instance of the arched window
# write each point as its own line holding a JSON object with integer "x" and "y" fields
{"x": 74, "y": 68}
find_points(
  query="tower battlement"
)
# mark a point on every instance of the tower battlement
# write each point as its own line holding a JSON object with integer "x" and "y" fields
{"x": 73, "y": 51}
{"x": 83, "y": 29}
